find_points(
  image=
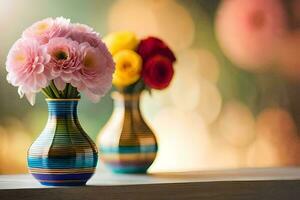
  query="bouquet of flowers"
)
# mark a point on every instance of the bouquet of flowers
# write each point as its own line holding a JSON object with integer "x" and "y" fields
{"x": 140, "y": 64}
{"x": 61, "y": 60}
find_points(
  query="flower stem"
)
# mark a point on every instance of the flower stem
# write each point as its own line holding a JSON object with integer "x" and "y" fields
{"x": 45, "y": 92}
{"x": 50, "y": 92}
{"x": 69, "y": 90}
{"x": 66, "y": 91}
{"x": 72, "y": 92}
{"x": 54, "y": 90}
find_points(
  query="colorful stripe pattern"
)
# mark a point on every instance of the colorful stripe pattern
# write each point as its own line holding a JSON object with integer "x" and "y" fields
{"x": 63, "y": 155}
{"x": 129, "y": 159}
{"x": 126, "y": 143}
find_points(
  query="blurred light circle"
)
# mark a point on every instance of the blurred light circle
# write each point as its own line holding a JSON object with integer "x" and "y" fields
{"x": 175, "y": 25}
{"x": 4, "y": 143}
{"x": 236, "y": 124}
{"x": 155, "y": 18}
{"x": 162, "y": 96}
{"x": 277, "y": 126}
{"x": 262, "y": 154}
{"x": 210, "y": 101}
{"x": 277, "y": 142}
{"x": 149, "y": 107}
{"x": 288, "y": 59}
{"x": 183, "y": 140}
{"x": 273, "y": 123}
{"x": 152, "y": 103}
{"x": 185, "y": 88}
{"x": 223, "y": 155}
{"x": 248, "y": 31}
{"x": 202, "y": 61}
{"x": 132, "y": 15}
{"x": 17, "y": 142}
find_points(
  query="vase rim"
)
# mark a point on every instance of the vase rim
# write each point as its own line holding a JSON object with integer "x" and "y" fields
{"x": 74, "y": 99}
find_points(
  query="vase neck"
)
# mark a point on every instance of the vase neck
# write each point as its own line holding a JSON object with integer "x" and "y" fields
{"x": 62, "y": 108}
{"x": 127, "y": 101}
{"x": 127, "y": 108}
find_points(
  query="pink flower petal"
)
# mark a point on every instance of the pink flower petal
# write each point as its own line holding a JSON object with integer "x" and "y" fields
{"x": 39, "y": 68}
{"x": 93, "y": 97}
{"x": 31, "y": 98}
{"x": 60, "y": 84}
{"x": 26, "y": 64}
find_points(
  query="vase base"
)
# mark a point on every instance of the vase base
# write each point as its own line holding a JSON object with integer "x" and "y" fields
{"x": 124, "y": 171}
{"x": 63, "y": 179}
{"x": 64, "y": 183}
{"x": 128, "y": 169}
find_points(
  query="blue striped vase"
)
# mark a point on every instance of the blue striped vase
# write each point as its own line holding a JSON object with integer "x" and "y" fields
{"x": 126, "y": 143}
{"x": 63, "y": 155}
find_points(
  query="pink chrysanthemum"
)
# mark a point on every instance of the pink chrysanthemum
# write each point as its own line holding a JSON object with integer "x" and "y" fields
{"x": 83, "y": 33}
{"x": 27, "y": 67}
{"x": 65, "y": 59}
{"x": 248, "y": 30}
{"x": 56, "y": 50}
{"x": 95, "y": 76}
{"x": 48, "y": 28}
{"x": 82, "y": 28}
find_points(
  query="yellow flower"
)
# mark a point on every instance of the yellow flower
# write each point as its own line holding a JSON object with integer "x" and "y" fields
{"x": 128, "y": 68}
{"x": 121, "y": 40}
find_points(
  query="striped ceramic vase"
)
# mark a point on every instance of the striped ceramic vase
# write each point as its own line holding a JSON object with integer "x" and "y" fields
{"x": 63, "y": 155}
{"x": 126, "y": 143}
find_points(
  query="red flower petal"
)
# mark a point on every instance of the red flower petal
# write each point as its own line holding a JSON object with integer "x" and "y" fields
{"x": 158, "y": 72}
{"x": 153, "y": 46}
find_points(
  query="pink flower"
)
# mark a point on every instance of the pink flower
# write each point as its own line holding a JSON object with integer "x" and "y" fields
{"x": 82, "y": 28}
{"x": 27, "y": 67}
{"x": 48, "y": 28}
{"x": 83, "y": 33}
{"x": 95, "y": 75}
{"x": 55, "y": 50}
{"x": 248, "y": 30}
{"x": 65, "y": 59}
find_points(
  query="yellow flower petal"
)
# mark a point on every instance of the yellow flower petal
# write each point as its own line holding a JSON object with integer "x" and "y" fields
{"x": 128, "y": 68}
{"x": 121, "y": 40}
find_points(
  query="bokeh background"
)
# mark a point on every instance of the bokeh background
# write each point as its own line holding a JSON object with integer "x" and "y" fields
{"x": 234, "y": 100}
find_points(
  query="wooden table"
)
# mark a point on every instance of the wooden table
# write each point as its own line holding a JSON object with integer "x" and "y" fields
{"x": 242, "y": 184}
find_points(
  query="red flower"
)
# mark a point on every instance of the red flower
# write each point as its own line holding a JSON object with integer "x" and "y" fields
{"x": 158, "y": 72}
{"x": 153, "y": 46}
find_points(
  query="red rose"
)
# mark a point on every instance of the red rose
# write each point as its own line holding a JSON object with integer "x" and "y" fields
{"x": 153, "y": 46}
{"x": 158, "y": 72}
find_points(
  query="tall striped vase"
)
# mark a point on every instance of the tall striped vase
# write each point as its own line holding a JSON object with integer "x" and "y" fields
{"x": 63, "y": 155}
{"x": 126, "y": 143}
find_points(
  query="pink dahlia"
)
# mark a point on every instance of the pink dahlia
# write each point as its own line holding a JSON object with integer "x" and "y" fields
{"x": 248, "y": 30}
{"x": 95, "y": 75}
{"x": 54, "y": 50}
{"x": 82, "y": 28}
{"x": 27, "y": 67}
{"x": 65, "y": 59}
{"x": 83, "y": 33}
{"x": 48, "y": 28}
